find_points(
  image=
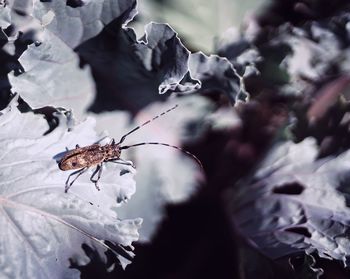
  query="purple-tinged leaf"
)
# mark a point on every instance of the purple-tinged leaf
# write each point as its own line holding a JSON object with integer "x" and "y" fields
{"x": 212, "y": 74}
{"x": 304, "y": 267}
{"x": 327, "y": 97}
{"x": 296, "y": 202}
{"x": 126, "y": 69}
{"x": 217, "y": 73}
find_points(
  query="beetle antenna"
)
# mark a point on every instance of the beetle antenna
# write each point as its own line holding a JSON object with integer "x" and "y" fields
{"x": 147, "y": 122}
{"x": 168, "y": 145}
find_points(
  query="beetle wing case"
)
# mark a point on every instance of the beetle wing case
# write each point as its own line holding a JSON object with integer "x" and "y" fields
{"x": 82, "y": 157}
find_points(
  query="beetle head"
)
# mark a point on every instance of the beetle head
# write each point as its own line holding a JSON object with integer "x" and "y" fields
{"x": 112, "y": 150}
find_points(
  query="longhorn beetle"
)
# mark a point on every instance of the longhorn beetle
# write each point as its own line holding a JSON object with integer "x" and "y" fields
{"x": 82, "y": 158}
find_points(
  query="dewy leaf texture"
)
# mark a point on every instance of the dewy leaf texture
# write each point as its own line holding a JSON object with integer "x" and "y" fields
{"x": 41, "y": 226}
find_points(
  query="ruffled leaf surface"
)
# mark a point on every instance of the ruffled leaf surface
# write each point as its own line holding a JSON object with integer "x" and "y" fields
{"x": 126, "y": 68}
{"x": 43, "y": 227}
{"x": 296, "y": 202}
{"x": 47, "y": 68}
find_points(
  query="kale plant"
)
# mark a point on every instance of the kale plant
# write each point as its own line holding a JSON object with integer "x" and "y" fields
{"x": 267, "y": 114}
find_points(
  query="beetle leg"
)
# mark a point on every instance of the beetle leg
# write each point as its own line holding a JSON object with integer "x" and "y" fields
{"x": 79, "y": 172}
{"x": 77, "y": 146}
{"x": 121, "y": 162}
{"x": 99, "y": 175}
{"x": 94, "y": 173}
{"x": 99, "y": 171}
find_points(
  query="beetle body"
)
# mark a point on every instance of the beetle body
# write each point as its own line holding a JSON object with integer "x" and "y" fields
{"x": 82, "y": 158}
{"x": 89, "y": 156}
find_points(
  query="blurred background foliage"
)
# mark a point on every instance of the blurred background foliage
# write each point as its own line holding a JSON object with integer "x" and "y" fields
{"x": 199, "y": 23}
